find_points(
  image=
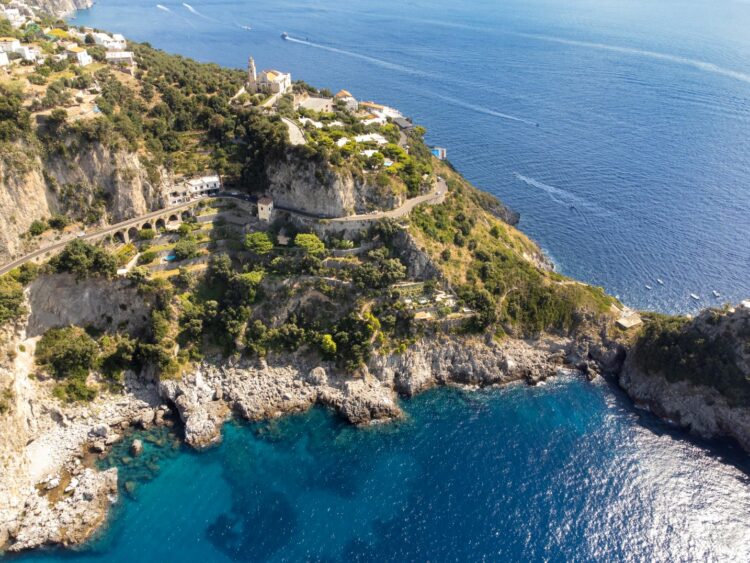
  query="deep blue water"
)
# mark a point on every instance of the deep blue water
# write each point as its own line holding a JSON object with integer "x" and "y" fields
{"x": 642, "y": 107}
{"x": 643, "y": 114}
{"x": 565, "y": 471}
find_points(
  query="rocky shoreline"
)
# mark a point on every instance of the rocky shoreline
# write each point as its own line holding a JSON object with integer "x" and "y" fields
{"x": 52, "y": 495}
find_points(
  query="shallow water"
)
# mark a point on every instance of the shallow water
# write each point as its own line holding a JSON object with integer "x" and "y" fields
{"x": 564, "y": 471}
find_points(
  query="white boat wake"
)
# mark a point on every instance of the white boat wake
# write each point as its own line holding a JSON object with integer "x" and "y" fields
{"x": 197, "y": 13}
{"x": 373, "y": 60}
{"x": 685, "y": 61}
{"x": 164, "y": 8}
{"x": 484, "y": 110}
{"x": 561, "y": 196}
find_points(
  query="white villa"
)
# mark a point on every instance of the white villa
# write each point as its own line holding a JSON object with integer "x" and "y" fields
{"x": 268, "y": 82}
{"x": 14, "y": 16}
{"x": 265, "y": 209}
{"x": 9, "y": 44}
{"x": 114, "y": 42}
{"x": 195, "y": 188}
{"x": 79, "y": 55}
{"x": 124, "y": 59}
{"x": 346, "y": 97}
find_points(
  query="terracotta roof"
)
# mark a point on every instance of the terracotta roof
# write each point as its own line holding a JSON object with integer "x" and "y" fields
{"x": 265, "y": 200}
{"x": 344, "y": 94}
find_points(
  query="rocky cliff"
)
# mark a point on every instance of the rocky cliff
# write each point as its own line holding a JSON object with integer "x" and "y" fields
{"x": 317, "y": 188}
{"x": 698, "y": 375}
{"x": 95, "y": 184}
{"x": 60, "y": 8}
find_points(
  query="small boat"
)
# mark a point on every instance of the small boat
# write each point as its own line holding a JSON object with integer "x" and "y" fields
{"x": 649, "y": 287}
{"x": 660, "y": 281}
{"x": 716, "y": 293}
{"x": 285, "y": 36}
{"x": 696, "y": 297}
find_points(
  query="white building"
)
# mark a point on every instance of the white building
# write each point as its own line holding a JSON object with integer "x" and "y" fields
{"x": 265, "y": 209}
{"x": 79, "y": 55}
{"x": 349, "y": 101}
{"x": 9, "y": 44}
{"x": 115, "y": 42}
{"x": 372, "y": 138}
{"x": 4, "y": 59}
{"x": 269, "y": 81}
{"x": 123, "y": 59}
{"x": 28, "y": 53}
{"x": 207, "y": 185}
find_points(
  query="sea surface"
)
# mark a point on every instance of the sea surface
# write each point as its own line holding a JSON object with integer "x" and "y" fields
{"x": 620, "y": 130}
{"x": 564, "y": 471}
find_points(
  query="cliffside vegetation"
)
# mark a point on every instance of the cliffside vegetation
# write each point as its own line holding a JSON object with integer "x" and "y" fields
{"x": 705, "y": 351}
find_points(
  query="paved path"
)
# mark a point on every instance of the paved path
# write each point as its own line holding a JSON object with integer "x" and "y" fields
{"x": 296, "y": 135}
{"x": 434, "y": 197}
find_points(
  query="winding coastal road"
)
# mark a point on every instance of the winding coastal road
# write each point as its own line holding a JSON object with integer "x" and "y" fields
{"x": 434, "y": 197}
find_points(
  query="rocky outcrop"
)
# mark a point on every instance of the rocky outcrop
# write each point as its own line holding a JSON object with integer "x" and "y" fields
{"x": 61, "y": 300}
{"x": 713, "y": 402}
{"x": 282, "y": 384}
{"x": 59, "y": 8}
{"x": 35, "y": 187}
{"x": 307, "y": 184}
{"x": 698, "y": 408}
{"x": 69, "y": 520}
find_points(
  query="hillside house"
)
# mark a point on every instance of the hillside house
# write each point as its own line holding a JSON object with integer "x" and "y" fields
{"x": 347, "y": 99}
{"x": 125, "y": 60}
{"x": 9, "y": 44}
{"x": 114, "y": 42}
{"x": 79, "y": 55}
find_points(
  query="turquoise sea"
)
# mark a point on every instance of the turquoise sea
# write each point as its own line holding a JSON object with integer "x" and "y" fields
{"x": 620, "y": 130}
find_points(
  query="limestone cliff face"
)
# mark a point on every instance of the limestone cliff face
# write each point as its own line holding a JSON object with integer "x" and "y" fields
{"x": 34, "y": 186}
{"x": 60, "y": 8}
{"x": 306, "y": 184}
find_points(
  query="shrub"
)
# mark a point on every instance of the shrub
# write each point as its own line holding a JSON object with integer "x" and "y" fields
{"x": 147, "y": 257}
{"x": 11, "y": 299}
{"x": 310, "y": 243}
{"x": 84, "y": 260}
{"x": 185, "y": 249}
{"x": 146, "y": 234}
{"x": 37, "y": 227}
{"x": 68, "y": 354}
{"x": 259, "y": 243}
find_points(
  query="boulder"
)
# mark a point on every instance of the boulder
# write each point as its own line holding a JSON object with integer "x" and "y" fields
{"x": 136, "y": 448}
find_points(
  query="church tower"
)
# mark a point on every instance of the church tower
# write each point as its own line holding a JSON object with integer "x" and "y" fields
{"x": 252, "y": 77}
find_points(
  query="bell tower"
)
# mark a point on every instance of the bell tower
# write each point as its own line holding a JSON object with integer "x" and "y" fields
{"x": 252, "y": 77}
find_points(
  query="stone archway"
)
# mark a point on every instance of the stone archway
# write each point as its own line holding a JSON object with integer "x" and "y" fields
{"x": 160, "y": 224}
{"x": 121, "y": 237}
{"x": 174, "y": 218}
{"x": 185, "y": 215}
{"x": 133, "y": 233}
{"x": 146, "y": 226}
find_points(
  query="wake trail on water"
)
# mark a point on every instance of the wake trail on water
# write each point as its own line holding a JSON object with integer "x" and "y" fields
{"x": 373, "y": 60}
{"x": 562, "y": 197}
{"x": 685, "y": 61}
{"x": 164, "y": 9}
{"x": 193, "y": 11}
{"x": 484, "y": 110}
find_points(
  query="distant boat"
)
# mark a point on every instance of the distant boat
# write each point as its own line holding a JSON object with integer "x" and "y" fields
{"x": 246, "y": 27}
{"x": 660, "y": 281}
{"x": 694, "y": 296}
{"x": 649, "y": 287}
{"x": 285, "y": 36}
{"x": 716, "y": 293}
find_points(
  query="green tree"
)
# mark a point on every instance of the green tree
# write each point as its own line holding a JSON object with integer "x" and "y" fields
{"x": 83, "y": 260}
{"x": 310, "y": 243}
{"x": 259, "y": 243}
{"x": 185, "y": 249}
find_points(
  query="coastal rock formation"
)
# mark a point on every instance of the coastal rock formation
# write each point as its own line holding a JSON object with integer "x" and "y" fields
{"x": 306, "y": 184}
{"x": 60, "y": 8}
{"x": 696, "y": 373}
{"x": 283, "y": 384}
{"x": 112, "y": 184}
{"x": 102, "y": 304}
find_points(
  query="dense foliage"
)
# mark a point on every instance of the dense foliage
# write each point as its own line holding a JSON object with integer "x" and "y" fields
{"x": 84, "y": 260}
{"x": 680, "y": 351}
